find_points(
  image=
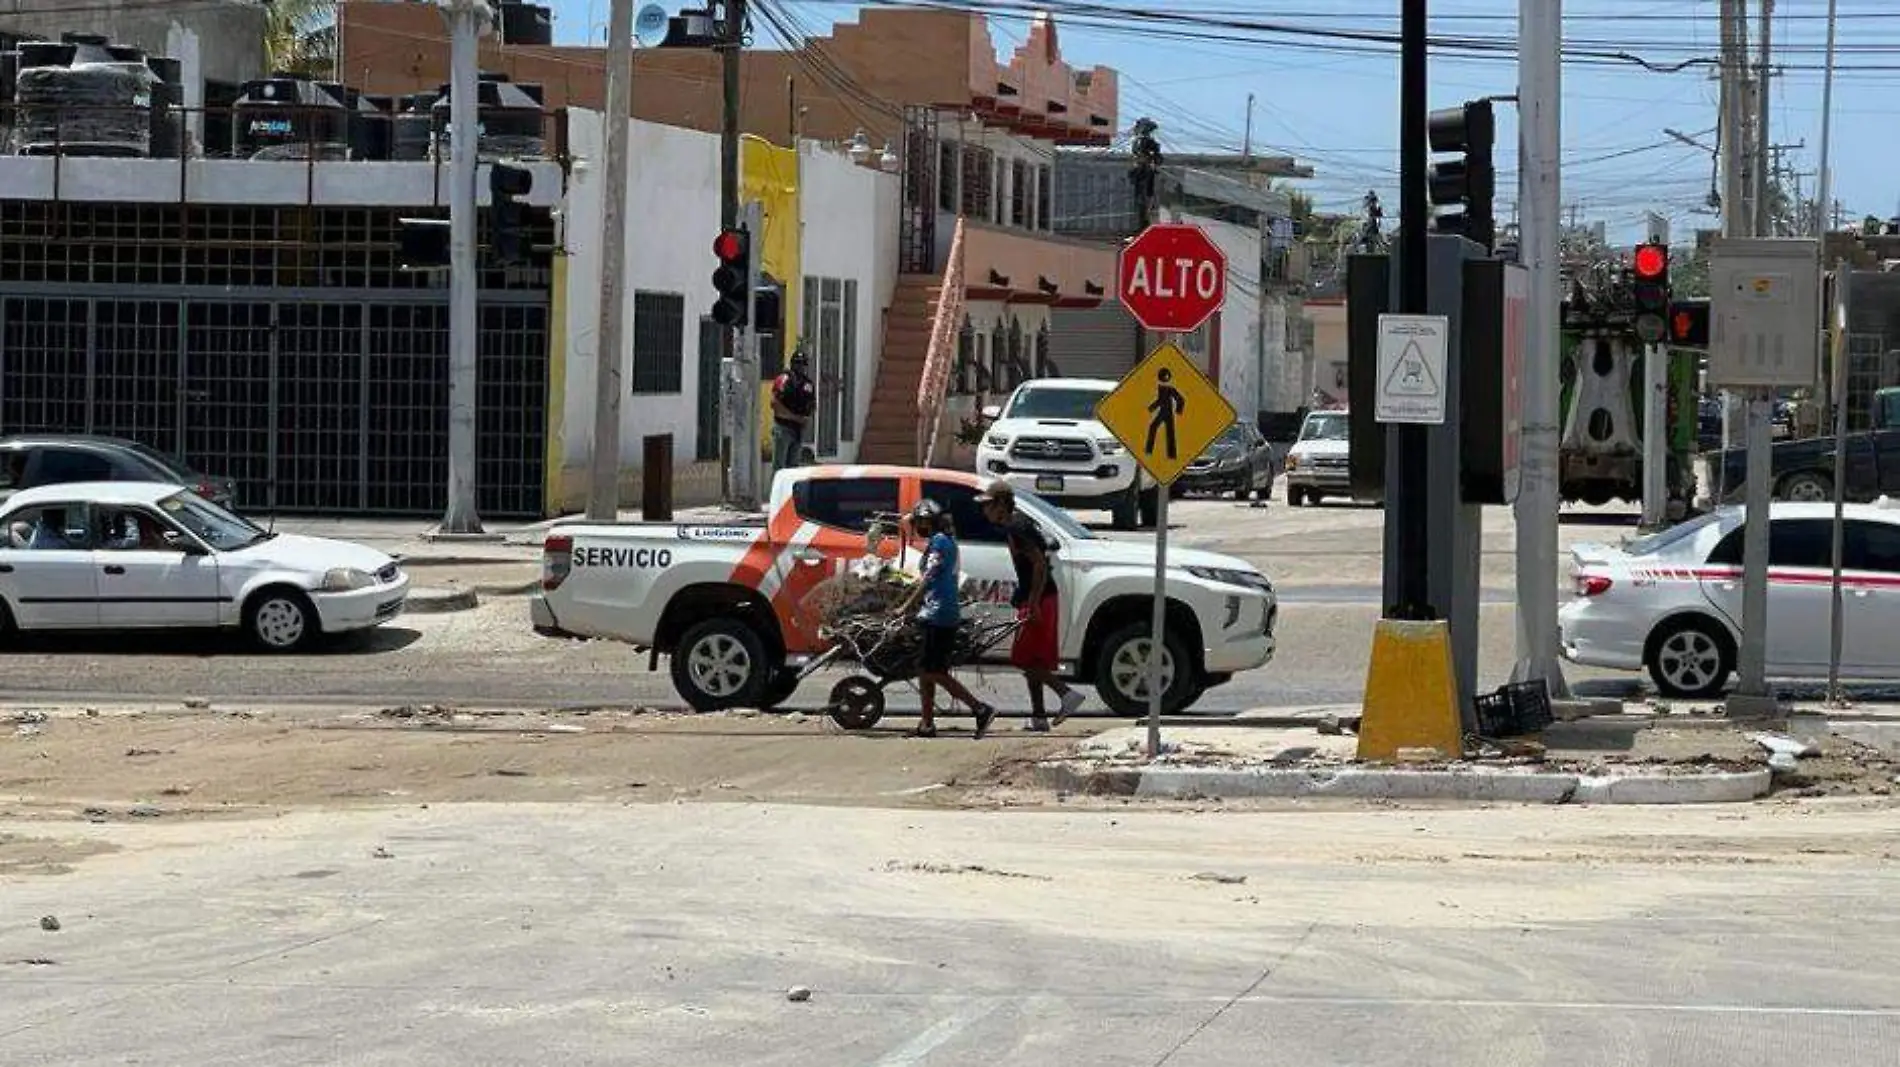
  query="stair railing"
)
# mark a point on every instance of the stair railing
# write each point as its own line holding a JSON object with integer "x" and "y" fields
{"x": 941, "y": 354}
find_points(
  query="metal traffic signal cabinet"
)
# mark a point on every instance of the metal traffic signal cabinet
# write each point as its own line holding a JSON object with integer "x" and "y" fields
{"x": 1467, "y": 184}
{"x": 733, "y": 278}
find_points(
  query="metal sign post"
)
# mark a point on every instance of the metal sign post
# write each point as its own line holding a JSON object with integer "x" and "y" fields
{"x": 1836, "y": 609}
{"x": 1166, "y": 412}
{"x": 1655, "y": 436}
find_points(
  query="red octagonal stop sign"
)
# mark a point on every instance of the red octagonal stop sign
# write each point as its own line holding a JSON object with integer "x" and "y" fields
{"x": 1172, "y": 277}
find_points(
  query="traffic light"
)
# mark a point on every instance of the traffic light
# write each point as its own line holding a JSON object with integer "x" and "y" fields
{"x": 1649, "y": 266}
{"x": 733, "y": 280}
{"x": 507, "y": 211}
{"x": 1466, "y": 184}
{"x": 1689, "y": 323}
{"x": 424, "y": 244}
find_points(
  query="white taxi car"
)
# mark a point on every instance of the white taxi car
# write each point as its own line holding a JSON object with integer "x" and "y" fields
{"x": 1672, "y": 602}
{"x": 145, "y": 555}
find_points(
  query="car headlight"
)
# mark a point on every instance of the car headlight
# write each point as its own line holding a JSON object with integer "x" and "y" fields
{"x": 346, "y": 579}
{"x": 1225, "y": 576}
{"x": 997, "y": 440}
{"x": 1109, "y": 446}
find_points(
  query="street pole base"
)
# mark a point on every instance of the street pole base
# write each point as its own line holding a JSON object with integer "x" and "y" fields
{"x": 1411, "y": 692}
{"x": 1752, "y": 706}
{"x": 476, "y": 536}
{"x": 1548, "y": 668}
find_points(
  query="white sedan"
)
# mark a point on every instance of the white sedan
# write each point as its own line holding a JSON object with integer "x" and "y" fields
{"x": 137, "y": 555}
{"x": 1672, "y": 602}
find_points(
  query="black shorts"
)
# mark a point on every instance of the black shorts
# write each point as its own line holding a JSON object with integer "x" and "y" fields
{"x": 940, "y": 645}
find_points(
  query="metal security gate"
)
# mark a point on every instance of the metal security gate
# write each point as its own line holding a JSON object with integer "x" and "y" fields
{"x": 314, "y": 402}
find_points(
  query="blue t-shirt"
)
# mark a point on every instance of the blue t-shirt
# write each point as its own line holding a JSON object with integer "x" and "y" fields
{"x": 940, "y": 582}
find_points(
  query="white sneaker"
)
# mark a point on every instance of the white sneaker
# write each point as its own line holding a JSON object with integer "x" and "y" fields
{"x": 1071, "y": 703}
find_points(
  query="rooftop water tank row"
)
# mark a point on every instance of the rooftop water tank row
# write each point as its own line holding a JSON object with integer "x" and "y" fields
{"x": 84, "y": 96}
{"x": 511, "y": 120}
{"x": 289, "y": 116}
{"x": 524, "y": 24}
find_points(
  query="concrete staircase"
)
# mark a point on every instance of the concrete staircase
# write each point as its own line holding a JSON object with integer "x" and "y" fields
{"x": 892, "y": 428}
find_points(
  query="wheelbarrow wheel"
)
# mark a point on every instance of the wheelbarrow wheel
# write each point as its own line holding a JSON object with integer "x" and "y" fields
{"x": 857, "y": 703}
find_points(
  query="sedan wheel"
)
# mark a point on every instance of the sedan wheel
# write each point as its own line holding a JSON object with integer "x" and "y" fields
{"x": 1690, "y": 659}
{"x": 282, "y": 621}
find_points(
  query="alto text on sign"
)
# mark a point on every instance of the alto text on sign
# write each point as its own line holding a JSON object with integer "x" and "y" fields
{"x": 1172, "y": 277}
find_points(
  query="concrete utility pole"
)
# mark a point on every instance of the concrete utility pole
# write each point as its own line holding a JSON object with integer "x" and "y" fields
{"x": 743, "y": 461}
{"x": 466, "y": 20}
{"x": 1729, "y": 140}
{"x": 1540, "y": 214}
{"x": 1764, "y": 175}
{"x": 603, "y": 491}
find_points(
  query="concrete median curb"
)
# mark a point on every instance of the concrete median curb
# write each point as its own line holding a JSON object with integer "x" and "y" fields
{"x": 426, "y": 601}
{"x": 1365, "y": 783}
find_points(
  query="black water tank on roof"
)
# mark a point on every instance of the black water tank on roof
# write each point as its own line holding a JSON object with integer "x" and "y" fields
{"x": 287, "y": 117}
{"x": 525, "y": 24}
{"x": 510, "y": 115}
{"x": 82, "y": 97}
{"x": 372, "y": 131}
{"x": 168, "y": 96}
{"x": 413, "y": 127}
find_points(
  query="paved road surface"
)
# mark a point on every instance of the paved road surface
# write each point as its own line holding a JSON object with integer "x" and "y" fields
{"x": 668, "y": 934}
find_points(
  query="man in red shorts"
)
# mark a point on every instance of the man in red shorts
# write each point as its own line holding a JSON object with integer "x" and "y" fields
{"x": 1038, "y": 648}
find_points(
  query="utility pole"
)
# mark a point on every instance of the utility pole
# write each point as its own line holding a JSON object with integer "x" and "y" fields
{"x": 1729, "y": 146}
{"x": 466, "y": 20}
{"x": 1246, "y": 139}
{"x": 1763, "y": 146}
{"x": 603, "y": 496}
{"x": 1540, "y": 212}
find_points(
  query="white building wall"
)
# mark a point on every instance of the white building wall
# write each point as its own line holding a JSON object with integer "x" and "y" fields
{"x": 1241, "y": 340}
{"x": 850, "y": 216}
{"x": 672, "y": 215}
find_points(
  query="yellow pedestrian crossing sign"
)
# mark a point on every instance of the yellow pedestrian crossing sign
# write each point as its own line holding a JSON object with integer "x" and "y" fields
{"x": 1166, "y": 412}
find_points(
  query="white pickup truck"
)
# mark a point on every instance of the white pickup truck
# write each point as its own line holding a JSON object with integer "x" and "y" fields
{"x": 724, "y": 601}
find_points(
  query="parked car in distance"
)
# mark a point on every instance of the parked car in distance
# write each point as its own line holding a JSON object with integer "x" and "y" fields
{"x": 1240, "y": 461}
{"x": 1044, "y": 439}
{"x": 28, "y": 461}
{"x": 145, "y": 555}
{"x": 1671, "y": 602}
{"x": 1316, "y": 465}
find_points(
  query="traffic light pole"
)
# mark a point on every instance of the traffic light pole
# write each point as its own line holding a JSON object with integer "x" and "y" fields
{"x": 466, "y": 20}
{"x": 1655, "y": 436}
{"x": 758, "y": 487}
{"x": 1540, "y": 200}
{"x": 603, "y": 490}
{"x": 1406, "y": 505}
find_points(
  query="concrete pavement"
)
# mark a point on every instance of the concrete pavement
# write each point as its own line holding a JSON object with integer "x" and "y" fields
{"x": 669, "y": 934}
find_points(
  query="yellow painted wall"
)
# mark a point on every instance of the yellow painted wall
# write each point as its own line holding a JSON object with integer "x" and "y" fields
{"x": 769, "y": 174}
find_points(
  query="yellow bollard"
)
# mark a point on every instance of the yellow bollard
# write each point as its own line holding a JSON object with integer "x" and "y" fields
{"x": 1411, "y": 693}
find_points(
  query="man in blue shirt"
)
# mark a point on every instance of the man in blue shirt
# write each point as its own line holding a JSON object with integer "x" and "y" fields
{"x": 939, "y": 618}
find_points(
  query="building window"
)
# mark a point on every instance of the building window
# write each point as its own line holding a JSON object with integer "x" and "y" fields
{"x": 947, "y": 176}
{"x": 1045, "y": 367}
{"x": 848, "y": 382}
{"x": 1045, "y": 179}
{"x": 1019, "y": 193}
{"x": 999, "y": 180}
{"x": 830, "y": 327}
{"x": 978, "y": 180}
{"x": 999, "y": 359}
{"x": 659, "y": 336}
{"x": 965, "y": 383}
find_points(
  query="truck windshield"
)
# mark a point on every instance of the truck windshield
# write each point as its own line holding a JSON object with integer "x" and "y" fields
{"x": 1049, "y": 516}
{"x": 1045, "y": 402}
{"x": 1324, "y": 427}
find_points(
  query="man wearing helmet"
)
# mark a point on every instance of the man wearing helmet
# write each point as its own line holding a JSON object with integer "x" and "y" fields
{"x": 939, "y": 617}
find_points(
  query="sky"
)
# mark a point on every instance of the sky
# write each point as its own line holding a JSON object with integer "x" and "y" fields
{"x": 1333, "y": 104}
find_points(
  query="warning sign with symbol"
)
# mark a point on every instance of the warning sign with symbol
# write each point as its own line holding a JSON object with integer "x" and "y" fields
{"x": 1411, "y": 378}
{"x": 1166, "y": 412}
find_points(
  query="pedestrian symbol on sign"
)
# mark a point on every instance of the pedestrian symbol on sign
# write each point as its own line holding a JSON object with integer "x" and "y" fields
{"x": 1168, "y": 403}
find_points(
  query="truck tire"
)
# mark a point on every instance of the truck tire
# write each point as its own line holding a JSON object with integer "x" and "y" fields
{"x": 1806, "y": 487}
{"x": 1120, "y": 679}
{"x": 720, "y": 664}
{"x": 1126, "y": 512}
{"x": 1690, "y": 658}
{"x": 1295, "y": 497}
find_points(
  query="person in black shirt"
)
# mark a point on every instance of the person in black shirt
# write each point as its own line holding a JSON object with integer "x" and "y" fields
{"x": 1037, "y": 651}
{"x": 793, "y": 401}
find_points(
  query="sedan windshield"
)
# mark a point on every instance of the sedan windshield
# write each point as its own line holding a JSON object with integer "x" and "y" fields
{"x": 1048, "y": 403}
{"x": 210, "y": 523}
{"x": 1329, "y": 427}
{"x": 1662, "y": 540}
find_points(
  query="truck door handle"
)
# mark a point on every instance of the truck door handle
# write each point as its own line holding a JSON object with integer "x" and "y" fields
{"x": 114, "y": 568}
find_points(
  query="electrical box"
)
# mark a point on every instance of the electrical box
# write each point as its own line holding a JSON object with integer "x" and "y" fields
{"x": 1765, "y": 323}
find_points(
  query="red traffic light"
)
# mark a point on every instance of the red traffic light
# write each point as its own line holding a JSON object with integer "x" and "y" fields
{"x": 1651, "y": 261}
{"x": 729, "y": 245}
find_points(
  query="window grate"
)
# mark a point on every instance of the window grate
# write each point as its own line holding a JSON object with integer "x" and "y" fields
{"x": 659, "y": 336}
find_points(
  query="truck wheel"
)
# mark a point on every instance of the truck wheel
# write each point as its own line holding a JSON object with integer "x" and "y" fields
{"x": 1690, "y": 657}
{"x": 719, "y": 664}
{"x": 1295, "y": 497}
{"x": 1121, "y": 672}
{"x": 1127, "y": 510}
{"x": 1806, "y": 487}
{"x": 1150, "y": 507}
